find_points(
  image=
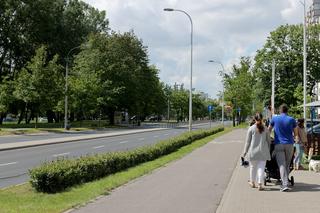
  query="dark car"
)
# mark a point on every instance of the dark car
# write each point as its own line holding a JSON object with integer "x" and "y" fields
{"x": 315, "y": 129}
{"x": 155, "y": 118}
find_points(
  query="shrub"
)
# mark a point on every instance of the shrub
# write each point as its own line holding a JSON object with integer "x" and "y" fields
{"x": 58, "y": 175}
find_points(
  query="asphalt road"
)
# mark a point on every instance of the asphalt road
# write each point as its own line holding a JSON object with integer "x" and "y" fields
{"x": 14, "y": 164}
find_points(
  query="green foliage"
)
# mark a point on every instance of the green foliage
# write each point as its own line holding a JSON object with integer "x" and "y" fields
{"x": 6, "y": 97}
{"x": 238, "y": 87}
{"x": 59, "y": 175}
{"x": 284, "y": 45}
{"x": 40, "y": 82}
{"x": 113, "y": 74}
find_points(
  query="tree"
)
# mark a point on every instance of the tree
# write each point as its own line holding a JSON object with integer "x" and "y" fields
{"x": 39, "y": 85}
{"x": 6, "y": 98}
{"x": 284, "y": 45}
{"x": 238, "y": 88}
{"x": 118, "y": 64}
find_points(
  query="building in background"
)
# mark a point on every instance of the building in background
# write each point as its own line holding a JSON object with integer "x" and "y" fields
{"x": 313, "y": 14}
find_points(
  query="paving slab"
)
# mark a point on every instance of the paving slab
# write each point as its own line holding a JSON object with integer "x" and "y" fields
{"x": 240, "y": 198}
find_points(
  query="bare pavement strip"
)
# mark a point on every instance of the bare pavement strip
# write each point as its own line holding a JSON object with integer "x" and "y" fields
{"x": 192, "y": 184}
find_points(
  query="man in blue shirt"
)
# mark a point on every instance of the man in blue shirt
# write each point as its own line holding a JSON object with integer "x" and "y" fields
{"x": 284, "y": 127}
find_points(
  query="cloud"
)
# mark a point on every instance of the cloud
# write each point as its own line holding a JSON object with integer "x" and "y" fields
{"x": 223, "y": 31}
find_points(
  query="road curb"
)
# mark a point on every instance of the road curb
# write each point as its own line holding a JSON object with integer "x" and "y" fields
{"x": 27, "y": 144}
{"x": 228, "y": 189}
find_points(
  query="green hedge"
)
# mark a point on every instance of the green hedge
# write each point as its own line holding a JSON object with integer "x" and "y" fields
{"x": 58, "y": 175}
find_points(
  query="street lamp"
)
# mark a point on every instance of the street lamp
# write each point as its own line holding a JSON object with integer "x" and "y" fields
{"x": 218, "y": 62}
{"x": 304, "y": 61}
{"x": 191, "y": 57}
{"x": 66, "y": 90}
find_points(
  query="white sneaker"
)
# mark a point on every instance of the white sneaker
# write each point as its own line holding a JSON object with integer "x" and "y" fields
{"x": 284, "y": 189}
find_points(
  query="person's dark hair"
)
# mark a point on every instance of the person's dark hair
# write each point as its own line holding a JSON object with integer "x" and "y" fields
{"x": 301, "y": 122}
{"x": 284, "y": 108}
{"x": 258, "y": 118}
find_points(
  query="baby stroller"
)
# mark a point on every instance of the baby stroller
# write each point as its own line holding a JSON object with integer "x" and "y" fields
{"x": 272, "y": 169}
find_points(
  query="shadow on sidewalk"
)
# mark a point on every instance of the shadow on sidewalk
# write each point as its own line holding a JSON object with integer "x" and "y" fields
{"x": 305, "y": 187}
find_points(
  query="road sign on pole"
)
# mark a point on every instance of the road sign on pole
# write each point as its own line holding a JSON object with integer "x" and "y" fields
{"x": 210, "y": 108}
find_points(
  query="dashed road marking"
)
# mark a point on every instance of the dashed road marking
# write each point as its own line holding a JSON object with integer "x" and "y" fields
{"x": 141, "y": 139}
{"x": 97, "y": 147}
{"x": 124, "y": 141}
{"x": 61, "y": 154}
{"x": 156, "y": 136}
{"x": 7, "y": 164}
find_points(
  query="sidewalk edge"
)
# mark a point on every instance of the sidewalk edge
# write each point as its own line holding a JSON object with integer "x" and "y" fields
{"x": 228, "y": 189}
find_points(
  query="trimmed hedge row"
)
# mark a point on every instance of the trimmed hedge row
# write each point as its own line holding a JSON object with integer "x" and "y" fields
{"x": 56, "y": 176}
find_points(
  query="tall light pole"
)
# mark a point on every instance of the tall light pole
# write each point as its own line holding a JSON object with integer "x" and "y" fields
{"x": 66, "y": 89}
{"x": 223, "y": 70}
{"x": 191, "y": 58}
{"x": 304, "y": 61}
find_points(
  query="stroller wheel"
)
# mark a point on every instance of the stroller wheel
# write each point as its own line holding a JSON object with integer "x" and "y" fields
{"x": 292, "y": 181}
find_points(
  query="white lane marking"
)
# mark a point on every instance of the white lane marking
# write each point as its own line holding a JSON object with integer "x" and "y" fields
{"x": 61, "y": 154}
{"x": 97, "y": 147}
{"x": 124, "y": 141}
{"x": 156, "y": 136}
{"x": 7, "y": 164}
{"x": 141, "y": 139}
{"x": 166, "y": 134}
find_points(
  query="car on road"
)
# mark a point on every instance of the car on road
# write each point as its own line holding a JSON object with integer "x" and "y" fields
{"x": 315, "y": 129}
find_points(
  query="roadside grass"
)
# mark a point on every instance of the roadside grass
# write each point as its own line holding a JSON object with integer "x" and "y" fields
{"x": 19, "y": 131}
{"x": 25, "y": 199}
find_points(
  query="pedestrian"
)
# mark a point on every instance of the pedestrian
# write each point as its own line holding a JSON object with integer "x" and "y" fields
{"x": 300, "y": 140}
{"x": 257, "y": 150}
{"x": 284, "y": 127}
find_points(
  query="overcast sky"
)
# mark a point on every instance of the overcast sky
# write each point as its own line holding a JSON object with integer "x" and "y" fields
{"x": 224, "y": 30}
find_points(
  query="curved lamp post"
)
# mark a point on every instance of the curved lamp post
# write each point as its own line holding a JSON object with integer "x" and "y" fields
{"x": 191, "y": 58}
{"x": 218, "y": 62}
{"x": 66, "y": 89}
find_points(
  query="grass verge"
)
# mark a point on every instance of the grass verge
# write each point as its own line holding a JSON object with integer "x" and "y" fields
{"x": 24, "y": 199}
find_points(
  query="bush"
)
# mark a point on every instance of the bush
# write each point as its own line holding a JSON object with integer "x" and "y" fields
{"x": 58, "y": 175}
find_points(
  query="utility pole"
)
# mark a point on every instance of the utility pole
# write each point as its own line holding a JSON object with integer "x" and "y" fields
{"x": 273, "y": 86}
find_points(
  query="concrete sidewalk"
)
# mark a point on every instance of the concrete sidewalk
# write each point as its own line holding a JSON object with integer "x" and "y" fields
{"x": 193, "y": 184}
{"x": 240, "y": 198}
{"x": 206, "y": 181}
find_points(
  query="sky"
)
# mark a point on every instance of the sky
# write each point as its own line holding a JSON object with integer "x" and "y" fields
{"x": 223, "y": 30}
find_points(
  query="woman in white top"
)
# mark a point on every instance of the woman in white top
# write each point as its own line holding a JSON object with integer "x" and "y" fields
{"x": 257, "y": 150}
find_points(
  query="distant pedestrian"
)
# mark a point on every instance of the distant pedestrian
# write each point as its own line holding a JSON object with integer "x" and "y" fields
{"x": 257, "y": 150}
{"x": 284, "y": 127}
{"x": 300, "y": 140}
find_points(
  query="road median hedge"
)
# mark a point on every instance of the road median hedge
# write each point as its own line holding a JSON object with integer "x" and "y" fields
{"x": 56, "y": 176}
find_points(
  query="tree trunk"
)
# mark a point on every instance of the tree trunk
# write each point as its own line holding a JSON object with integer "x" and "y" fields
{"x": 111, "y": 116}
{"x": 50, "y": 116}
{"x": 233, "y": 120}
{"x": 26, "y": 113}
{"x": 2, "y": 116}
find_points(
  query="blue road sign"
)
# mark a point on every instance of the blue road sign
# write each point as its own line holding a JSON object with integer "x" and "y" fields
{"x": 239, "y": 109}
{"x": 210, "y": 108}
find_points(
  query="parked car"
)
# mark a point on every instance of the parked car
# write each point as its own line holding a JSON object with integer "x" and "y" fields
{"x": 315, "y": 129}
{"x": 155, "y": 118}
